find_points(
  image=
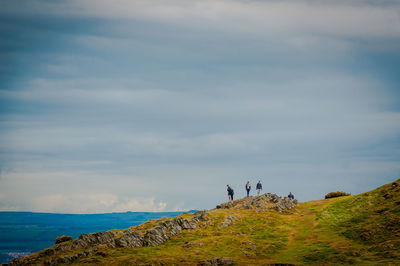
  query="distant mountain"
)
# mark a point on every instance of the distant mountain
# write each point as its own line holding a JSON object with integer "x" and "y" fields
{"x": 363, "y": 229}
{"x": 22, "y": 233}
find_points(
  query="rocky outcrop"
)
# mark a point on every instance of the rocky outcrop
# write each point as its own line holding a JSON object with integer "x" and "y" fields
{"x": 199, "y": 216}
{"x": 87, "y": 240}
{"x": 130, "y": 239}
{"x": 160, "y": 233}
{"x": 263, "y": 202}
{"x": 165, "y": 230}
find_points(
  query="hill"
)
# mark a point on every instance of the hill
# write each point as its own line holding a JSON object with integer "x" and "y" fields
{"x": 361, "y": 229}
{"x": 22, "y": 233}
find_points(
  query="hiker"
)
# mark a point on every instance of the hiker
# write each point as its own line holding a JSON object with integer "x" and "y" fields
{"x": 230, "y": 192}
{"x": 248, "y": 187}
{"x": 291, "y": 196}
{"x": 259, "y": 187}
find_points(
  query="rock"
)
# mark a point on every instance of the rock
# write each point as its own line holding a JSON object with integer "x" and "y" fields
{"x": 199, "y": 216}
{"x": 229, "y": 220}
{"x": 155, "y": 237}
{"x": 105, "y": 237}
{"x": 62, "y": 246}
{"x": 262, "y": 202}
{"x": 64, "y": 259}
{"x": 164, "y": 230}
{"x": 185, "y": 223}
{"x": 130, "y": 239}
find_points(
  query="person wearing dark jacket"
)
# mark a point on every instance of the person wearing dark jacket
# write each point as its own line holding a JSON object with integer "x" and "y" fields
{"x": 248, "y": 187}
{"x": 291, "y": 196}
{"x": 259, "y": 187}
{"x": 230, "y": 192}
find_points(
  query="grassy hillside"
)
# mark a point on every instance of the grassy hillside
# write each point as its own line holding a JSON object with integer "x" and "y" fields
{"x": 361, "y": 229}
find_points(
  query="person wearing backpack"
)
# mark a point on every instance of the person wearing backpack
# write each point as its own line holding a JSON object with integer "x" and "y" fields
{"x": 230, "y": 192}
{"x": 259, "y": 187}
{"x": 248, "y": 187}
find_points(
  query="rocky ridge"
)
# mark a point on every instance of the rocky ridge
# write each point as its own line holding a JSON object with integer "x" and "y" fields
{"x": 127, "y": 238}
{"x": 91, "y": 244}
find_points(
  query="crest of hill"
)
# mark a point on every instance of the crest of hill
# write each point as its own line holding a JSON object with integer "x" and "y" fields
{"x": 362, "y": 229}
{"x": 264, "y": 202}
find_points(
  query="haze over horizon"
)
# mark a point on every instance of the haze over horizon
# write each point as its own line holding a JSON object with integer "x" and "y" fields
{"x": 157, "y": 105}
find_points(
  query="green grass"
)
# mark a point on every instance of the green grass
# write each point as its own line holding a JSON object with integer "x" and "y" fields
{"x": 362, "y": 229}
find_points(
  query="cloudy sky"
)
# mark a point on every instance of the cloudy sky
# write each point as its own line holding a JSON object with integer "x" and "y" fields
{"x": 157, "y": 105}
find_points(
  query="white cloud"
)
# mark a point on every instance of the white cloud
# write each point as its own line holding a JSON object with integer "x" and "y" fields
{"x": 91, "y": 203}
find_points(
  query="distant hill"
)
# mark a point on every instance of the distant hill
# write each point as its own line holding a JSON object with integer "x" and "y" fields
{"x": 363, "y": 229}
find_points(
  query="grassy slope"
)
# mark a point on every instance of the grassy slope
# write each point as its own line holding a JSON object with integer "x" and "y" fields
{"x": 361, "y": 229}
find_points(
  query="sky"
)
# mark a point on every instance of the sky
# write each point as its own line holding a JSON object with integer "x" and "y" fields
{"x": 152, "y": 105}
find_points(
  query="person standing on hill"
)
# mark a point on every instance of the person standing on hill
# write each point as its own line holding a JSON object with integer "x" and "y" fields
{"x": 248, "y": 187}
{"x": 291, "y": 196}
{"x": 259, "y": 187}
{"x": 230, "y": 192}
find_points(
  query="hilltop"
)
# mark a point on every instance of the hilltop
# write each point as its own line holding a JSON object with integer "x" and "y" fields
{"x": 267, "y": 229}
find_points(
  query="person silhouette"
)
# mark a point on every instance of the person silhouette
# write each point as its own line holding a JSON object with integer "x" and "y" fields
{"x": 291, "y": 196}
{"x": 230, "y": 192}
{"x": 248, "y": 187}
{"x": 259, "y": 187}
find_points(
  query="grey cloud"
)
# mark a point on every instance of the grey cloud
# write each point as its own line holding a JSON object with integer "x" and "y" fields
{"x": 343, "y": 18}
{"x": 158, "y": 105}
